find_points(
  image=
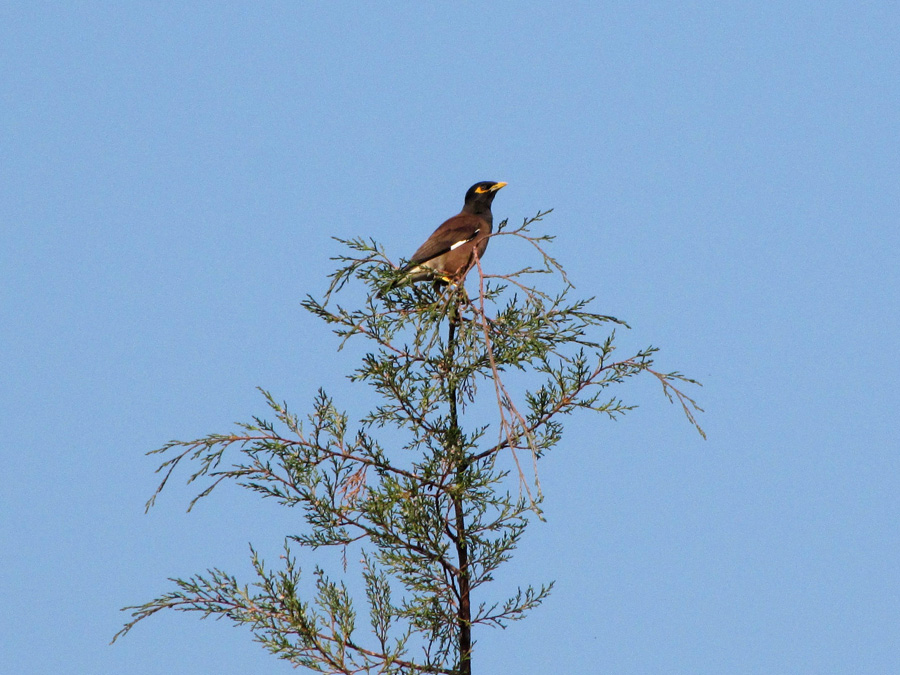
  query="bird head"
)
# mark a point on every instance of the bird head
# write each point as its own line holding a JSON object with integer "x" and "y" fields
{"x": 480, "y": 196}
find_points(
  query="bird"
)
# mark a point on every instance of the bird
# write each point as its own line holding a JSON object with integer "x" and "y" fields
{"x": 448, "y": 254}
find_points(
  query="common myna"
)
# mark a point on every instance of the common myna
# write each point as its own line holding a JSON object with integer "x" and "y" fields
{"x": 448, "y": 253}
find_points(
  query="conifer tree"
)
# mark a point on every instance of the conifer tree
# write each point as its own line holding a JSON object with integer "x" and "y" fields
{"x": 429, "y": 492}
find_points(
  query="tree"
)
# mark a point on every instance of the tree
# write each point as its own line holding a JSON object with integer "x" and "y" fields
{"x": 472, "y": 387}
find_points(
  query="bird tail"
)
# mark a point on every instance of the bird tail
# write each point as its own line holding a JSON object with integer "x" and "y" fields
{"x": 407, "y": 275}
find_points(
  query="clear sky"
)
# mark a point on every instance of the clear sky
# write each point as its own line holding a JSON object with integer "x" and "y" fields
{"x": 725, "y": 177}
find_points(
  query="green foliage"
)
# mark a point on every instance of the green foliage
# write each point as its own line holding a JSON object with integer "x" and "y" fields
{"x": 434, "y": 516}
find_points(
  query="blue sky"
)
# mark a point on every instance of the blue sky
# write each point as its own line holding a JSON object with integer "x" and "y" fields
{"x": 724, "y": 177}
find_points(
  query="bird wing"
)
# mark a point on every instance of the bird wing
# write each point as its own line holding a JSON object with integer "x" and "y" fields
{"x": 455, "y": 232}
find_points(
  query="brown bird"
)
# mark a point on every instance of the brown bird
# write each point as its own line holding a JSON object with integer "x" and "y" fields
{"x": 448, "y": 253}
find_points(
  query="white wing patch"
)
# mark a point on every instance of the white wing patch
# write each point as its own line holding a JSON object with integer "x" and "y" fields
{"x": 465, "y": 241}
